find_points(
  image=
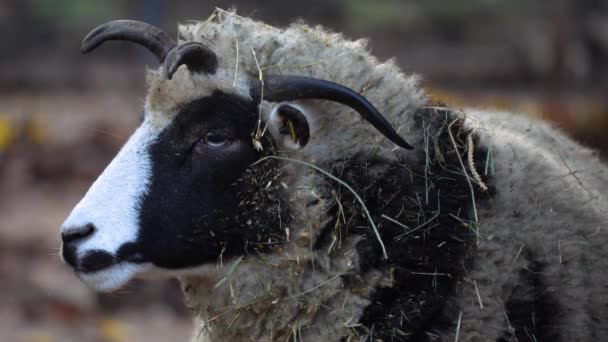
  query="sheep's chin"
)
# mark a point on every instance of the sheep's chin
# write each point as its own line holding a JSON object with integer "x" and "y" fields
{"x": 111, "y": 278}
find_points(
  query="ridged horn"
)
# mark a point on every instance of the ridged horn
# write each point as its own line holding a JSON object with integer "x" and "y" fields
{"x": 287, "y": 88}
{"x": 149, "y": 36}
{"x": 198, "y": 58}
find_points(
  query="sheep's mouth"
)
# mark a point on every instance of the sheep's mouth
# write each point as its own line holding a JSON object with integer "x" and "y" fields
{"x": 103, "y": 271}
{"x": 96, "y": 261}
{"x": 110, "y": 277}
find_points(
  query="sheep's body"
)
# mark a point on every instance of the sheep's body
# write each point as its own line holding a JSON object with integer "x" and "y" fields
{"x": 548, "y": 216}
{"x": 538, "y": 247}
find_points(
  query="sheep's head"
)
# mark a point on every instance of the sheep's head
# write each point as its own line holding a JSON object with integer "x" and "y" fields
{"x": 167, "y": 202}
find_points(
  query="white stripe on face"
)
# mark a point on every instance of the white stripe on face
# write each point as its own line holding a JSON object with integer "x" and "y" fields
{"x": 112, "y": 204}
{"x": 113, "y": 277}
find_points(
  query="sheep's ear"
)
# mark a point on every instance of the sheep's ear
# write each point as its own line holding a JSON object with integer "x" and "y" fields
{"x": 289, "y": 126}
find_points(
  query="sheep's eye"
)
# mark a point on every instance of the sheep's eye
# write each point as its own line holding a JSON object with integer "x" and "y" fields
{"x": 216, "y": 140}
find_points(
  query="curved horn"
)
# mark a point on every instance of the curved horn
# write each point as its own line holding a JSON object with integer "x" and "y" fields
{"x": 198, "y": 58}
{"x": 153, "y": 38}
{"x": 286, "y": 88}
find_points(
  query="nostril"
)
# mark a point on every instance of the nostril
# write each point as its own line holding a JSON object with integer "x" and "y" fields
{"x": 77, "y": 233}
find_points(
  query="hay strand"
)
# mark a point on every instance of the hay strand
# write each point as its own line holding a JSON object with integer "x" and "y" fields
{"x": 236, "y": 67}
{"x": 458, "y": 327}
{"x": 229, "y": 272}
{"x": 470, "y": 154}
{"x": 466, "y": 174}
{"x": 343, "y": 183}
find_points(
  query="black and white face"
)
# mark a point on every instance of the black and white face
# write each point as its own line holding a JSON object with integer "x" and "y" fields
{"x": 173, "y": 198}
{"x": 166, "y": 200}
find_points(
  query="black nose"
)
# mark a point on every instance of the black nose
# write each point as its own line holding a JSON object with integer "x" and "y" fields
{"x": 75, "y": 234}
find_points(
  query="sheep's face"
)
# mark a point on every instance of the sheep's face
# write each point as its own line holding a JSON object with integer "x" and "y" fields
{"x": 173, "y": 198}
{"x": 166, "y": 199}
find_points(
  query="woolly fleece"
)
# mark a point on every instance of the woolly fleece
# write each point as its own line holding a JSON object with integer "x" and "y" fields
{"x": 549, "y": 206}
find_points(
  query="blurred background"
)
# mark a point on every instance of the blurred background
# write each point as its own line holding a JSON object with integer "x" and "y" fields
{"x": 64, "y": 116}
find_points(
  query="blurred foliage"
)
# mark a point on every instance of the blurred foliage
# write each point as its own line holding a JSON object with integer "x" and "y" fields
{"x": 112, "y": 330}
{"x": 35, "y": 130}
{"x": 377, "y": 14}
{"x": 70, "y": 13}
{"x": 32, "y": 129}
{"x": 6, "y": 133}
{"x": 40, "y": 337}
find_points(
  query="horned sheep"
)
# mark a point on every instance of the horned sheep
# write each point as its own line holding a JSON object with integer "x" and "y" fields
{"x": 259, "y": 178}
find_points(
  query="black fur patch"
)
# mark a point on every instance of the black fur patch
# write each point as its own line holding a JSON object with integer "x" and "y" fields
{"x": 95, "y": 261}
{"x": 202, "y": 203}
{"x": 531, "y": 309}
{"x": 426, "y": 259}
{"x": 70, "y": 255}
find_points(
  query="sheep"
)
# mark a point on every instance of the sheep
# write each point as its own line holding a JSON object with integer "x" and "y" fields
{"x": 259, "y": 178}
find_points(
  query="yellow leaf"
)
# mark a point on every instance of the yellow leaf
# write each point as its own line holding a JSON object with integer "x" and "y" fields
{"x": 36, "y": 130}
{"x": 112, "y": 330}
{"x": 6, "y": 133}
